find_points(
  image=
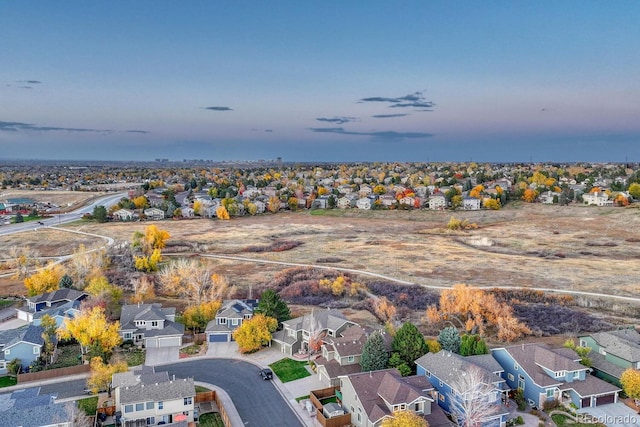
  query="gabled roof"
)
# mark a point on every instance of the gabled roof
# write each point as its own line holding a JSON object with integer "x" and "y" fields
{"x": 237, "y": 308}
{"x": 448, "y": 367}
{"x": 63, "y": 294}
{"x": 145, "y": 385}
{"x": 28, "y": 408}
{"x": 325, "y": 319}
{"x": 624, "y": 343}
{"x": 132, "y": 312}
{"x": 591, "y": 386}
{"x": 29, "y": 333}
{"x": 170, "y": 328}
{"x": 59, "y": 310}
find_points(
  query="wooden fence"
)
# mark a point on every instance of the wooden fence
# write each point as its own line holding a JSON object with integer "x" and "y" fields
{"x": 316, "y": 396}
{"x": 53, "y": 373}
{"x": 212, "y": 396}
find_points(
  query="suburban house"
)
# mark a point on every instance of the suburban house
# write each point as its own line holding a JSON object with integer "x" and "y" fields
{"x": 598, "y": 198}
{"x": 187, "y": 212}
{"x": 295, "y": 334}
{"x": 364, "y": 203}
{"x": 154, "y": 214}
{"x": 229, "y": 318}
{"x": 341, "y": 355}
{"x": 346, "y": 202}
{"x": 68, "y": 310}
{"x": 48, "y": 301}
{"x": 437, "y": 201}
{"x": 545, "y": 374}
{"x": 370, "y": 397}
{"x": 613, "y": 352}
{"x": 445, "y": 371}
{"x": 124, "y": 215}
{"x": 471, "y": 203}
{"x": 23, "y": 343}
{"x": 29, "y": 408}
{"x": 146, "y": 397}
{"x": 150, "y": 325}
{"x": 548, "y": 197}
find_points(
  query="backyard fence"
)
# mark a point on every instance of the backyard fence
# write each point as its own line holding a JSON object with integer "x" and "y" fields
{"x": 53, "y": 373}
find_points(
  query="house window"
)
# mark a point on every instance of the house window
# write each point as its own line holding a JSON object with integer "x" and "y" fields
{"x": 576, "y": 375}
{"x": 352, "y": 409}
{"x": 549, "y": 393}
{"x": 161, "y": 405}
{"x": 330, "y": 332}
{"x": 516, "y": 366}
{"x": 291, "y": 332}
{"x": 351, "y": 358}
{"x": 521, "y": 382}
{"x": 154, "y": 323}
{"x": 583, "y": 343}
{"x": 441, "y": 383}
{"x": 150, "y": 405}
{"x": 127, "y": 335}
{"x": 188, "y": 400}
{"x": 560, "y": 374}
{"x": 359, "y": 417}
{"x": 2, "y": 365}
{"x": 234, "y": 322}
{"x": 222, "y": 320}
{"x": 139, "y": 407}
{"x": 7, "y": 352}
{"x": 128, "y": 408}
{"x": 36, "y": 350}
{"x": 441, "y": 397}
{"x": 510, "y": 376}
{"x": 428, "y": 374}
{"x": 151, "y": 420}
{"x": 247, "y": 316}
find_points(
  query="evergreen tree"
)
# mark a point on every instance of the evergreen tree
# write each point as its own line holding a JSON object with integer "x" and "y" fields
{"x": 449, "y": 339}
{"x": 100, "y": 213}
{"x": 471, "y": 345}
{"x": 65, "y": 282}
{"x": 271, "y": 305}
{"x": 19, "y": 218}
{"x": 374, "y": 354}
{"x": 409, "y": 344}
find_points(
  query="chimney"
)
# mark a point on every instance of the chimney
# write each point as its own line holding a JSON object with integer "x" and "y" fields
{"x": 174, "y": 377}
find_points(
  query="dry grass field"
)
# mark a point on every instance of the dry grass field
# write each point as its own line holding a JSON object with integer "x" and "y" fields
{"x": 578, "y": 248}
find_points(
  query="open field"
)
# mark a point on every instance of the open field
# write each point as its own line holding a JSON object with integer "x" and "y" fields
{"x": 58, "y": 198}
{"x": 578, "y": 248}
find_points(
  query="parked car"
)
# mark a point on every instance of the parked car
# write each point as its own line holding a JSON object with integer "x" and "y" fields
{"x": 266, "y": 374}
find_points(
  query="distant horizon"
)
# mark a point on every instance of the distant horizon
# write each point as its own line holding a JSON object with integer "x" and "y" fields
{"x": 497, "y": 81}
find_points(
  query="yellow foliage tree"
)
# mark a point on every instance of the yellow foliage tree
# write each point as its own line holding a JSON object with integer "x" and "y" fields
{"x": 152, "y": 239}
{"x": 255, "y": 333}
{"x": 101, "y": 373}
{"x": 630, "y": 380}
{"x": 530, "y": 195}
{"x": 101, "y": 286}
{"x": 149, "y": 263}
{"x": 433, "y": 346}
{"x": 493, "y": 204}
{"x": 197, "y": 207}
{"x": 44, "y": 280}
{"x": 196, "y": 317}
{"x": 476, "y": 191}
{"x": 222, "y": 213}
{"x": 140, "y": 202}
{"x": 94, "y": 333}
{"x": 274, "y": 204}
{"x": 337, "y": 287}
{"x": 404, "y": 419}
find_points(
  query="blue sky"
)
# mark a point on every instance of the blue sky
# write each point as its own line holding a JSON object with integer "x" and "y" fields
{"x": 320, "y": 81}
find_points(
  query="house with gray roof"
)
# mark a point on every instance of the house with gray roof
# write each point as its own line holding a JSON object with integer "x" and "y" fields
{"x": 146, "y": 397}
{"x": 150, "y": 325}
{"x": 545, "y": 374}
{"x": 48, "y": 301}
{"x": 613, "y": 352}
{"x": 372, "y": 397}
{"x": 69, "y": 310}
{"x": 445, "y": 370}
{"x": 23, "y": 343}
{"x": 29, "y": 408}
{"x": 341, "y": 355}
{"x": 228, "y": 318}
{"x": 296, "y": 333}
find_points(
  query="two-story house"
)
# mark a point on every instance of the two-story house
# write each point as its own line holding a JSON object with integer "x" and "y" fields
{"x": 437, "y": 201}
{"x": 598, "y": 198}
{"x": 155, "y": 214}
{"x": 341, "y": 355}
{"x": 471, "y": 203}
{"x": 613, "y": 352}
{"x": 295, "y": 334}
{"x": 146, "y": 397}
{"x": 445, "y": 371}
{"x": 49, "y": 301}
{"x": 228, "y": 318}
{"x": 372, "y": 397}
{"x": 544, "y": 374}
{"x": 150, "y": 325}
{"x": 23, "y": 343}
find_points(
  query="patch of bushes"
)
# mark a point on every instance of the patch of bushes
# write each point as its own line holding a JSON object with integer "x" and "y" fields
{"x": 410, "y": 296}
{"x": 277, "y": 246}
{"x": 531, "y": 296}
{"x": 546, "y": 319}
{"x": 329, "y": 260}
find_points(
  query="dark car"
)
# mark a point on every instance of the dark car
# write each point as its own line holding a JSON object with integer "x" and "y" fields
{"x": 266, "y": 374}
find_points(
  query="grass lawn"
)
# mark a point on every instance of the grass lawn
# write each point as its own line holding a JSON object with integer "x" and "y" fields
{"x": 135, "y": 357}
{"x": 8, "y": 381}
{"x": 89, "y": 405}
{"x": 306, "y": 396}
{"x": 288, "y": 370}
{"x": 200, "y": 389}
{"x": 562, "y": 421}
{"x": 210, "y": 420}
{"x": 331, "y": 399}
{"x": 6, "y": 303}
{"x": 67, "y": 356}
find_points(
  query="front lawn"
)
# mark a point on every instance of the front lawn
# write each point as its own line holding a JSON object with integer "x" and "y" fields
{"x": 135, "y": 357}
{"x": 212, "y": 419}
{"x": 562, "y": 421}
{"x": 290, "y": 370}
{"x": 89, "y": 405}
{"x": 8, "y": 381}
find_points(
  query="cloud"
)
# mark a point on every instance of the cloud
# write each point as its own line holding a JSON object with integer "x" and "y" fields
{"x": 218, "y": 108}
{"x": 388, "y": 116}
{"x": 268, "y": 130}
{"x": 388, "y": 134}
{"x": 25, "y": 87}
{"x": 19, "y": 126}
{"x": 136, "y": 131}
{"x": 412, "y": 100}
{"x": 31, "y": 82}
{"x": 336, "y": 119}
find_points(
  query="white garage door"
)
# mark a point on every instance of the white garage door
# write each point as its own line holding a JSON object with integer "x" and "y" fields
{"x": 170, "y": 342}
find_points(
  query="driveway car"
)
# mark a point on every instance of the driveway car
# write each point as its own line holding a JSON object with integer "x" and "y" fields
{"x": 266, "y": 374}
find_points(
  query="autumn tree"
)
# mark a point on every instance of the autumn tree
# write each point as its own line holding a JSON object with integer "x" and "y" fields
{"x": 197, "y": 207}
{"x": 143, "y": 289}
{"x": 493, "y": 204}
{"x": 95, "y": 334}
{"x": 385, "y": 310}
{"x": 630, "y": 380}
{"x": 404, "y": 418}
{"x": 149, "y": 263}
{"x": 152, "y": 239}
{"x": 374, "y": 353}
{"x": 100, "y": 288}
{"x": 273, "y": 205}
{"x": 196, "y": 317}
{"x": 49, "y": 327}
{"x": 85, "y": 264}
{"x": 316, "y": 334}
{"x": 140, "y": 202}
{"x": 254, "y": 333}
{"x": 472, "y": 398}
{"x": 222, "y": 213}
{"x": 634, "y": 190}
{"x": 75, "y": 414}
{"x": 101, "y": 373}
{"x": 22, "y": 260}
{"x": 408, "y": 343}
{"x": 271, "y": 305}
{"x": 44, "y": 280}
{"x": 477, "y": 191}
{"x": 530, "y": 195}
{"x": 449, "y": 339}
{"x": 193, "y": 280}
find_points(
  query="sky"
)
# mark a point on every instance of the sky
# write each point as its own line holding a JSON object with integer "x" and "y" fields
{"x": 311, "y": 81}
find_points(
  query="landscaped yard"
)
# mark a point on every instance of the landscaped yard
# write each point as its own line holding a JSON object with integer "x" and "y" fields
{"x": 8, "y": 381}
{"x": 210, "y": 420}
{"x": 562, "y": 421}
{"x": 89, "y": 405}
{"x": 290, "y": 370}
{"x": 135, "y": 357}
{"x": 67, "y": 356}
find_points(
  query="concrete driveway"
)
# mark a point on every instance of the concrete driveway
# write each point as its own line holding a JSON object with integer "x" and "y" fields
{"x": 162, "y": 355}
{"x": 12, "y": 324}
{"x": 614, "y": 415}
